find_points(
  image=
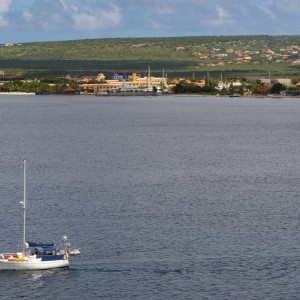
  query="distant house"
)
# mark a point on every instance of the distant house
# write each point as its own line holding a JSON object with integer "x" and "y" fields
{"x": 100, "y": 76}
{"x": 88, "y": 78}
{"x": 254, "y": 79}
{"x": 221, "y": 55}
{"x": 285, "y": 81}
{"x": 125, "y": 76}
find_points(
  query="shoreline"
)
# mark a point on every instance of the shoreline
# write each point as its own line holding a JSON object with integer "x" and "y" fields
{"x": 150, "y": 95}
{"x": 18, "y": 93}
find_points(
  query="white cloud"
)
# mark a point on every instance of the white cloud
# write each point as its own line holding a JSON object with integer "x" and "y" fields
{"x": 5, "y": 5}
{"x": 164, "y": 11}
{"x": 64, "y": 4}
{"x": 3, "y": 21}
{"x": 27, "y": 16}
{"x": 222, "y": 13}
{"x": 290, "y": 7}
{"x": 4, "y": 8}
{"x": 53, "y": 22}
{"x": 85, "y": 18}
{"x": 88, "y": 19}
{"x": 220, "y": 18}
{"x": 75, "y": 14}
{"x": 268, "y": 8}
{"x": 61, "y": 15}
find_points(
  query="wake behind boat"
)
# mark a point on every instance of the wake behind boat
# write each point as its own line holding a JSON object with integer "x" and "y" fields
{"x": 34, "y": 256}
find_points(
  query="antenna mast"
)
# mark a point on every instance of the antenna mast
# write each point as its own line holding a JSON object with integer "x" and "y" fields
{"x": 24, "y": 206}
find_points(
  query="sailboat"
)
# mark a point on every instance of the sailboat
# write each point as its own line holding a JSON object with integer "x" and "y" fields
{"x": 149, "y": 84}
{"x": 34, "y": 255}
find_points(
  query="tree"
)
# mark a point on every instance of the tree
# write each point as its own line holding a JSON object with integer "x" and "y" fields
{"x": 277, "y": 88}
{"x": 180, "y": 88}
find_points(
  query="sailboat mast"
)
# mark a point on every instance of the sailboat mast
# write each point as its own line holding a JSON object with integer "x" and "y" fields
{"x": 24, "y": 206}
{"x": 149, "y": 79}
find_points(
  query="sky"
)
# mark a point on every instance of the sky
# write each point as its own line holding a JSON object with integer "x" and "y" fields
{"x": 54, "y": 20}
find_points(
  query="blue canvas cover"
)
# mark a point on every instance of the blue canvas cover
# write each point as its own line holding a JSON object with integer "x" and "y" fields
{"x": 52, "y": 257}
{"x": 32, "y": 244}
{"x": 50, "y": 249}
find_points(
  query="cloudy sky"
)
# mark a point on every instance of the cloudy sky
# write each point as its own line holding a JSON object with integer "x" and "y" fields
{"x": 44, "y": 20}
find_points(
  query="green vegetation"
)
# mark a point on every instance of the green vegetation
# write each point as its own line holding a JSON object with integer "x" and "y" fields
{"x": 190, "y": 88}
{"x": 179, "y": 56}
{"x": 48, "y": 85}
{"x": 277, "y": 88}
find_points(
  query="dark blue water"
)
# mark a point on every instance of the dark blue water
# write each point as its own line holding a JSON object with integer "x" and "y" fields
{"x": 167, "y": 197}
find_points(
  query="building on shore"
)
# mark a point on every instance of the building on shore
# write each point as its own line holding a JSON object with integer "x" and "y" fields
{"x": 125, "y": 76}
{"x": 99, "y": 77}
{"x": 255, "y": 79}
{"x": 113, "y": 86}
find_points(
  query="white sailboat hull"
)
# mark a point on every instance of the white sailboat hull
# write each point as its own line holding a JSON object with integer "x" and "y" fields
{"x": 34, "y": 264}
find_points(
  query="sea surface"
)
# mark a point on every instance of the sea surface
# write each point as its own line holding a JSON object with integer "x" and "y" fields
{"x": 166, "y": 197}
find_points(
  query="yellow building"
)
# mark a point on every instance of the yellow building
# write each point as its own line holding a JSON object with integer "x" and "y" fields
{"x": 116, "y": 85}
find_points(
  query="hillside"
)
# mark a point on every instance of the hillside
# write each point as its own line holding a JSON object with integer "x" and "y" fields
{"x": 235, "y": 55}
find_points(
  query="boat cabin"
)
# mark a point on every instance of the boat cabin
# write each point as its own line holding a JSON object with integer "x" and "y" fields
{"x": 45, "y": 251}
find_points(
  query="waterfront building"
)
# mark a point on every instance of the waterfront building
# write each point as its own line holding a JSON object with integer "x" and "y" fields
{"x": 125, "y": 76}
{"x": 255, "y": 79}
{"x": 140, "y": 84}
